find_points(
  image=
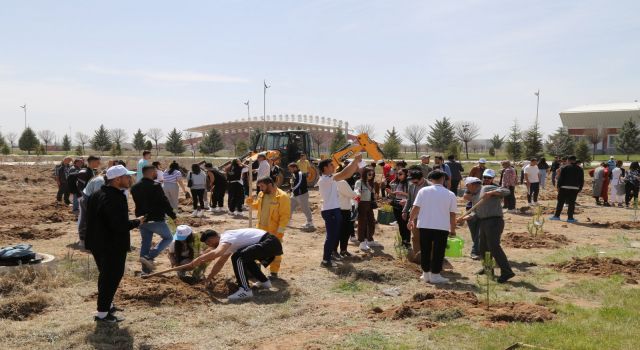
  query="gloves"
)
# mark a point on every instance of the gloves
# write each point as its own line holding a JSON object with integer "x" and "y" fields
{"x": 187, "y": 195}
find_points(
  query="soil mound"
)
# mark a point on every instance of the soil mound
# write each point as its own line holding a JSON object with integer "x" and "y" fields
{"x": 625, "y": 225}
{"x": 171, "y": 291}
{"x": 29, "y": 233}
{"x": 526, "y": 241}
{"x": 440, "y": 306}
{"x": 604, "y": 267}
{"x": 20, "y": 308}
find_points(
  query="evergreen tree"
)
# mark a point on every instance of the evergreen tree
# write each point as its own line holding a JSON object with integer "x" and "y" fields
{"x": 5, "y": 149}
{"x": 211, "y": 142}
{"x": 339, "y": 140}
{"x": 496, "y": 141}
{"x": 392, "y": 143}
{"x": 116, "y": 150}
{"x": 492, "y": 151}
{"x": 2, "y": 140}
{"x": 28, "y": 141}
{"x": 514, "y": 142}
{"x": 583, "y": 152}
{"x": 532, "y": 140}
{"x": 628, "y": 140}
{"x": 454, "y": 149}
{"x": 148, "y": 146}
{"x": 66, "y": 143}
{"x": 241, "y": 147}
{"x": 101, "y": 140}
{"x": 138, "y": 141}
{"x": 253, "y": 138}
{"x": 174, "y": 142}
{"x": 441, "y": 134}
{"x": 79, "y": 151}
{"x": 561, "y": 143}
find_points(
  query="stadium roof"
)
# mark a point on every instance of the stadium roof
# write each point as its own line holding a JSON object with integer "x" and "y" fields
{"x": 611, "y": 115}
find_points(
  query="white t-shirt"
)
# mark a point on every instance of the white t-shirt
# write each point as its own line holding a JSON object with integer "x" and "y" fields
{"x": 329, "y": 192}
{"x": 436, "y": 203}
{"x": 615, "y": 176}
{"x": 533, "y": 173}
{"x": 241, "y": 238}
{"x": 346, "y": 194}
{"x": 264, "y": 169}
{"x": 160, "y": 176}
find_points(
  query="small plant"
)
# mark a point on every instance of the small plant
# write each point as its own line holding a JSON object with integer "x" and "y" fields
{"x": 635, "y": 209}
{"x": 535, "y": 227}
{"x": 401, "y": 250}
{"x": 485, "y": 282}
{"x": 198, "y": 248}
{"x": 386, "y": 208}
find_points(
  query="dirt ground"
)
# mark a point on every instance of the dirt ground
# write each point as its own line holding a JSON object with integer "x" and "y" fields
{"x": 309, "y": 307}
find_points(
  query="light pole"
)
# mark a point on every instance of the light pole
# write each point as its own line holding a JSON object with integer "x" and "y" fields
{"x": 248, "y": 114}
{"x": 25, "y": 114}
{"x": 537, "y": 93}
{"x": 264, "y": 106}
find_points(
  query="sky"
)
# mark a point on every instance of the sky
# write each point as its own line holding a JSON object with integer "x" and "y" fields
{"x": 166, "y": 64}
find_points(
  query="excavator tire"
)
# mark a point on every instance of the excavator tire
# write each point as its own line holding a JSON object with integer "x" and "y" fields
{"x": 313, "y": 175}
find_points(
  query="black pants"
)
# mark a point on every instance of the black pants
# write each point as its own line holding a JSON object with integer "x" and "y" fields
{"x": 630, "y": 191}
{"x": 244, "y": 260}
{"x": 217, "y": 197}
{"x": 236, "y": 197}
{"x": 63, "y": 193}
{"x": 111, "y": 269}
{"x": 405, "y": 234}
{"x": 198, "y": 199}
{"x": 490, "y": 234}
{"x": 474, "y": 229}
{"x": 433, "y": 243}
{"x": 534, "y": 190}
{"x": 566, "y": 196}
{"x": 346, "y": 230}
{"x": 510, "y": 200}
{"x": 454, "y": 187}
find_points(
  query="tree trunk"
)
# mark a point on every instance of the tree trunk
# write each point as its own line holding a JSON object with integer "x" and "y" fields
{"x": 416, "y": 146}
{"x": 466, "y": 149}
{"x": 156, "y": 148}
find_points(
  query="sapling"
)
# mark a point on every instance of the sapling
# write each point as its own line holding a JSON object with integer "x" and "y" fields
{"x": 198, "y": 248}
{"x": 401, "y": 251}
{"x": 485, "y": 282}
{"x": 537, "y": 222}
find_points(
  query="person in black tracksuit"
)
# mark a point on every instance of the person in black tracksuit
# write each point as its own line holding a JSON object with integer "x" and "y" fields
{"x": 107, "y": 237}
{"x": 235, "y": 189}
{"x": 569, "y": 182}
{"x": 219, "y": 189}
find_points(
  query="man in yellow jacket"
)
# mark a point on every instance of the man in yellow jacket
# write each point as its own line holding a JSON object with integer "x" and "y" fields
{"x": 274, "y": 209}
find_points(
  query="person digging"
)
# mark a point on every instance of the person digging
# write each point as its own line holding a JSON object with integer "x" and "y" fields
{"x": 244, "y": 247}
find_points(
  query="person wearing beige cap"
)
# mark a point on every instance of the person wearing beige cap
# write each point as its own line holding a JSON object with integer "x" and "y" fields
{"x": 478, "y": 170}
{"x": 425, "y": 159}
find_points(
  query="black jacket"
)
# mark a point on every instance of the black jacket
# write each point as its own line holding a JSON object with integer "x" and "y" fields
{"x": 456, "y": 170}
{"x": 151, "y": 201}
{"x": 299, "y": 184}
{"x": 571, "y": 175}
{"x": 108, "y": 223}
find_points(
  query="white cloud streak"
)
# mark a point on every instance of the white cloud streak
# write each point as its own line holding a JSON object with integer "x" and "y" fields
{"x": 175, "y": 77}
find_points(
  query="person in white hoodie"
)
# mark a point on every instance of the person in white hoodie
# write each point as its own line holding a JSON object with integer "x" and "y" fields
{"x": 345, "y": 195}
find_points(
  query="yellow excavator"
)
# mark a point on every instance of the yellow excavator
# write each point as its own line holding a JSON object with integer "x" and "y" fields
{"x": 362, "y": 144}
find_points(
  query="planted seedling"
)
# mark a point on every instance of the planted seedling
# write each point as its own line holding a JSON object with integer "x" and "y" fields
{"x": 485, "y": 282}
{"x": 198, "y": 248}
{"x": 535, "y": 226}
{"x": 401, "y": 251}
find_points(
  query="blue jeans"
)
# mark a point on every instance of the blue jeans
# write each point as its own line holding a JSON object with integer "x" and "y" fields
{"x": 76, "y": 204}
{"x": 333, "y": 222}
{"x": 146, "y": 231}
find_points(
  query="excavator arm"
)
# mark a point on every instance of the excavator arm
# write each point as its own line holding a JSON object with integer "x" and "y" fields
{"x": 363, "y": 144}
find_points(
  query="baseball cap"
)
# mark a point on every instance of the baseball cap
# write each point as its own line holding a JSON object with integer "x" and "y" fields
{"x": 482, "y": 161}
{"x": 182, "y": 232}
{"x": 425, "y": 156}
{"x": 489, "y": 173}
{"x": 471, "y": 180}
{"x": 117, "y": 171}
{"x": 612, "y": 157}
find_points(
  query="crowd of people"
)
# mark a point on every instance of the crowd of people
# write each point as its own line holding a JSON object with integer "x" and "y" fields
{"x": 423, "y": 198}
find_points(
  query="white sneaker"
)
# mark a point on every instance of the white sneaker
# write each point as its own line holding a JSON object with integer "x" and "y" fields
{"x": 200, "y": 213}
{"x": 426, "y": 276}
{"x": 530, "y": 204}
{"x": 241, "y": 294}
{"x": 213, "y": 210}
{"x": 374, "y": 244}
{"x": 309, "y": 226}
{"x": 290, "y": 224}
{"x": 435, "y": 278}
{"x": 262, "y": 285}
{"x": 194, "y": 214}
{"x": 364, "y": 246}
{"x": 232, "y": 213}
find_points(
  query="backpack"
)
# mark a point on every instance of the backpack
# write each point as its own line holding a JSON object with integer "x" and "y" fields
{"x": 56, "y": 170}
{"x": 16, "y": 255}
{"x": 72, "y": 179}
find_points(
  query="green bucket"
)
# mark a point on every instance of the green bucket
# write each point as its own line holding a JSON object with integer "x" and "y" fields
{"x": 454, "y": 247}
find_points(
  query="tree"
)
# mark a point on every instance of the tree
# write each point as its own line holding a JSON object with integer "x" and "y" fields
{"x": 28, "y": 141}
{"x": 561, "y": 143}
{"x": 496, "y": 141}
{"x": 582, "y": 152}
{"x": 148, "y": 146}
{"x": 211, "y": 142}
{"x": 66, "y": 143}
{"x": 101, "y": 140}
{"x": 5, "y": 149}
{"x": 514, "y": 142}
{"x": 116, "y": 150}
{"x": 454, "y": 149}
{"x": 79, "y": 151}
{"x": 319, "y": 138}
{"x": 415, "y": 134}
{"x": 241, "y": 147}
{"x": 12, "y": 137}
{"x": 368, "y": 129}
{"x": 138, "y": 141}
{"x": 2, "y": 141}
{"x": 467, "y": 132}
{"x": 47, "y": 137}
{"x": 190, "y": 138}
{"x": 392, "y": 142}
{"x": 441, "y": 134}
{"x": 532, "y": 141}
{"x": 628, "y": 140}
{"x": 254, "y": 137}
{"x": 594, "y": 136}
{"x": 155, "y": 134}
{"x": 339, "y": 140}
{"x": 118, "y": 136}
{"x": 174, "y": 142}
{"x": 82, "y": 139}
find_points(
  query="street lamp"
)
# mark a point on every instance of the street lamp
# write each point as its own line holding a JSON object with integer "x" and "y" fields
{"x": 537, "y": 93}
{"x": 25, "y": 114}
{"x": 248, "y": 114}
{"x": 264, "y": 110}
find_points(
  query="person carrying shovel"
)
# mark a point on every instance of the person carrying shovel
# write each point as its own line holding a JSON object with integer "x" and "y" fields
{"x": 488, "y": 210}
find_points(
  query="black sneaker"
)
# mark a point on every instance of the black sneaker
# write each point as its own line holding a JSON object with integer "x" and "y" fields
{"x": 335, "y": 256}
{"x": 115, "y": 309}
{"x": 345, "y": 254}
{"x": 506, "y": 277}
{"x": 328, "y": 264}
{"x": 110, "y": 318}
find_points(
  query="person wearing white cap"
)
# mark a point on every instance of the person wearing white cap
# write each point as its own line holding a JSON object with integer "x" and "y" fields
{"x": 477, "y": 170}
{"x": 108, "y": 238}
{"x": 532, "y": 180}
{"x": 181, "y": 250}
{"x": 472, "y": 195}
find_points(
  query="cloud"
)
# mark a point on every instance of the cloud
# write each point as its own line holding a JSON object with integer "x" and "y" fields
{"x": 176, "y": 77}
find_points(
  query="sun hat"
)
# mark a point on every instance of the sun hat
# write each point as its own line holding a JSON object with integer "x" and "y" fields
{"x": 471, "y": 180}
{"x": 182, "y": 232}
{"x": 117, "y": 171}
{"x": 489, "y": 173}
